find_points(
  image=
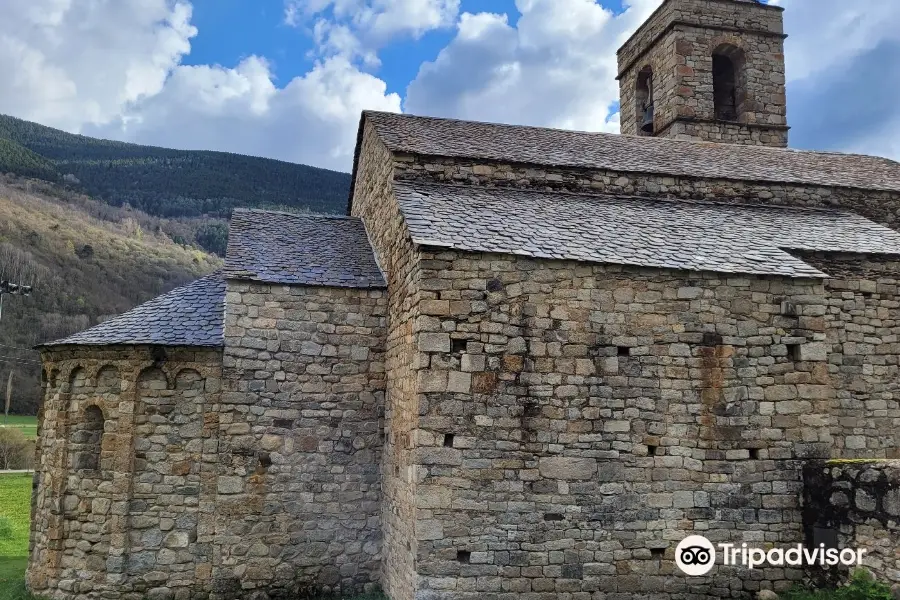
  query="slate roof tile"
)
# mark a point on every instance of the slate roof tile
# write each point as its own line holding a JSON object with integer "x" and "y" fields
{"x": 191, "y": 315}
{"x": 294, "y": 249}
{"x": 561, "y": 148}
{"x": 677, "y": 234}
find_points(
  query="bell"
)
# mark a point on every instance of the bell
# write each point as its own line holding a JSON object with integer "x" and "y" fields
{"x": 647, "y": 125}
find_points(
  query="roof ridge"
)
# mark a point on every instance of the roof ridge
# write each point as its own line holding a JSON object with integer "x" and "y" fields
{"x": 672, "y": 200}
{"x": 648, "y": 139}
{"x": 292, "y": 214}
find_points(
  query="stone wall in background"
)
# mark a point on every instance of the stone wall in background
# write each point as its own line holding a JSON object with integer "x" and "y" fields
{"x": 298, "y": 486}
{"x": 116, "y": 507}
{"x": 854, "y": 504}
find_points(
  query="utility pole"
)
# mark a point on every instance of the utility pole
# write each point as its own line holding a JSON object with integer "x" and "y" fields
{"x": 8, "y": 397}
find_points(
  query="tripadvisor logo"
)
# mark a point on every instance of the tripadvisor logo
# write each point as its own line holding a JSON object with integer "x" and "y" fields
{"x": 695, "y": 555}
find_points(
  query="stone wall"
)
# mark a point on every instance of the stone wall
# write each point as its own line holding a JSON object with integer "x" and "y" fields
{"x": 118, "y": 471}
{"x": 875, "y": 205}
{"x": 298, "y": 488}
{"x": 579, "y": 420}
{"x": 862, "y": 321}
{"x": 724, "y": 132}
{"x": 374, "y": 202}
{"x": 677, "y": 44}
{"x": 850, "y": 504}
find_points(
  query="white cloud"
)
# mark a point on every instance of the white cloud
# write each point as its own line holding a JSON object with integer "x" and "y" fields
{"x": 112, "y": 68}
{"x": 828, "y": 34}
{"x": 312, "y": 120}
{"x": 843, "y": 71}
{"x": 359, "y": 28}
{"x": 67, "y": 62}
{"x": 556, "y": 67}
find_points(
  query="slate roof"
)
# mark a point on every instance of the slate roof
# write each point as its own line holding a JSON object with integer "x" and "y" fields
{"x": 677, "y": 234}
{"x": 191, "y": 315}
{"x": 560, "y": 148}
{"x": 294, "y": 249}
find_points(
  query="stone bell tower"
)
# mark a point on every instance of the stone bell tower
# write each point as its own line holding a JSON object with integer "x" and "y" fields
{"x": 706, "y": 70}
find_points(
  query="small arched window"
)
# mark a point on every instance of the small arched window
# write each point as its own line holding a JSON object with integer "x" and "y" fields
{"x": 87, "y": 438}
{"x": 644, "y": 101}
{"x": 728, "y": 88}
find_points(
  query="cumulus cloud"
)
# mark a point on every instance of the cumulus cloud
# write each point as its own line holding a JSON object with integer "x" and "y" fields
{"x": 112, "y": 68}
{"x": 843, "y": 71}
{"x": 66, "y": 63}
{"x": 312, "y": 120}
{"x": 358, "y": 28}
{"x": 556, "y": 67}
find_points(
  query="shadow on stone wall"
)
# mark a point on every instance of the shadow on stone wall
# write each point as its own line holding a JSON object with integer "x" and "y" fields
{"x": 853, "y": 504}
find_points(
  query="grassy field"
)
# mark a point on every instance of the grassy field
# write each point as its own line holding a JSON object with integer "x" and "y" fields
{"x": 28, "y": 425}
{"x": 15, "y": 509}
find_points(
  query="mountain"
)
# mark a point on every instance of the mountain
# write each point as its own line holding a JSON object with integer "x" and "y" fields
{"x": 164, "y": 182}
{"x": 98, "y": 227}
{"x": 86, "y": 261}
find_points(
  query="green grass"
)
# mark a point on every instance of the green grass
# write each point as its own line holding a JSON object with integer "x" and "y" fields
{"x": 15, "y": 512}
{"x": 28, "y": 425}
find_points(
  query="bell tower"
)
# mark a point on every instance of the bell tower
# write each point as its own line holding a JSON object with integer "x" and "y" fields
{"x": 706, "y": 70}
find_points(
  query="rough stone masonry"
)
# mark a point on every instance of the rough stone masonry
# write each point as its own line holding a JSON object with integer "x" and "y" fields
{"x": 526, "y": 364}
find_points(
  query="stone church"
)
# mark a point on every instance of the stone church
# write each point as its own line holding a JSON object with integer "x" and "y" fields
{"x": 525, "y": 364}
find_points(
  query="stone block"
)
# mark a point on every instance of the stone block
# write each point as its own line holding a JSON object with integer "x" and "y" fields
{"x": 429, "y": 529}
{"x": 230, "y": 485}
{"x": 460, "y": 383}
{"x": 815, "y": 351}
{"x": 437, "y": 456}
{"x": 431, "y": 496}
{"x": 432, "y": 381}
{"x": 434, "y": 342}
{"x": 484, "y": 383}
{"x": 891, "y": 502}
{"x": 473, "y": 362}
{"x": 561, "y": 467}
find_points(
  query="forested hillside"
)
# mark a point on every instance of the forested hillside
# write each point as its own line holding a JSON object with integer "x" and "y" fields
{"x": 98, "y": 227}
{"x": 164, "y": 182}
{"x": 87, "y": 261}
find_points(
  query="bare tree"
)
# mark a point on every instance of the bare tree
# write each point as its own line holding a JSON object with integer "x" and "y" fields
{"x": 18, "y": 265}
{"x": 12, "y": 448}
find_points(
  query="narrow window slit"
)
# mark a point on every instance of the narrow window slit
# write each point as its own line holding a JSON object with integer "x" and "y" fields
{"x": 553, "y": 517}
{"x": 458, "y": 345}
{"x": 793, "y": 351}
{"x": 448, "y": 440}
{"x": 464, "y": 556}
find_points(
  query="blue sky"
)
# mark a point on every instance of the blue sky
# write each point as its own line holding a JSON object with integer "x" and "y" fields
{"x": 230, "y": 31}
{"x": 288, "y": 79}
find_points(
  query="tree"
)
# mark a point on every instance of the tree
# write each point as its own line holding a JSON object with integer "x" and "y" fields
{"x": 213, "y": 237}
{"x": 12, "y": 448}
